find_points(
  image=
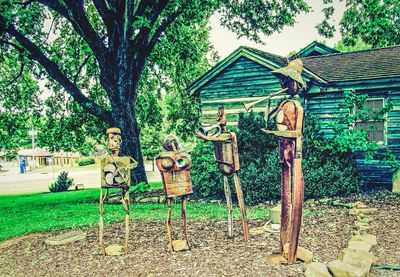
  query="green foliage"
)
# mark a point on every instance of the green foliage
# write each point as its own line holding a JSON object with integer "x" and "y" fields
{"x": 375, "y": 23}
{"x": 207, "y": 180}
{"x": 140, "y": 188}
{"x": 63, "y": 183}
{"x": 326, "y": 173}
{"x": 86, "y": 161}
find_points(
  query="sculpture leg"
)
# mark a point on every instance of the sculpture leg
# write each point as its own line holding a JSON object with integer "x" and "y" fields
{"x": 126, "y": 204}
{"x": 228, "y": 197}
{"x": 169, "y": 228}
{"x": 184, "y": 222}
{"x": 297, "y": 209}
{"x": 285, "y": 200}
{"x": 101, "y": 225}
{"x": 242, "y": 207}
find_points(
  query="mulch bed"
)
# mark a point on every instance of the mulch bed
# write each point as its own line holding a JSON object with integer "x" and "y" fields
{"x": 212, "y": 253}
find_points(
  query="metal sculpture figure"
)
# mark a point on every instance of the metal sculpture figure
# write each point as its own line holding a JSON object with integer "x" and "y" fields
{"x": 289, "y": 120}
{"x": 174, "y": 165}
{"x": 115, "y": 173}
{"x": 227, "y": 156}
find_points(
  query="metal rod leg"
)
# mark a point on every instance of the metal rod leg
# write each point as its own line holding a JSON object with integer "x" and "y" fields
{"x": 286, "y": 200}
{"x": 184, "y": 221}
{"x": 297, "y": 209}
{"x": 242, "y": 207}
{"x": 101, "y": 225}
{"x": 228, "y": 197}
{"x": 126, "y": 204}
{"x": 169, "y": 228}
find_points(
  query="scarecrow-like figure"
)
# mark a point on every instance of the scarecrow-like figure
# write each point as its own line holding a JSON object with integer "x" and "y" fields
{"x": 289, "y": 121}
{"x": 227, "y": 156}
{"x": 174, "y": 165}
{"x": 115, "y": 174}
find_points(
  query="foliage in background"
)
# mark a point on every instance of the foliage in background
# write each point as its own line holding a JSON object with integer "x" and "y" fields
{"x": 63, "y": 183}
{"x": 326, "y": 173}
{"x": 86, "y": 161}
{"x": 376, "y": 23}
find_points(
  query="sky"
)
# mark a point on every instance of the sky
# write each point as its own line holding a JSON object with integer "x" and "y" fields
{"x": 291, "y": 38}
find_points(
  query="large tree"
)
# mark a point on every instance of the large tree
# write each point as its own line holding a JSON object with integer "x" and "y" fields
{"x": 118, "y": 37}
{"x": 372, "y": 22}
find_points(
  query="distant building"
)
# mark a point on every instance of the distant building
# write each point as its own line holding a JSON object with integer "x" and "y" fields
{"x": 41, "y": 157}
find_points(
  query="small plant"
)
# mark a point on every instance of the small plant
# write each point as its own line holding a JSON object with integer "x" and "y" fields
{"x": 140, "y": 188}
{"x": 86, "y": 161}
{"x": 63, "y": 183}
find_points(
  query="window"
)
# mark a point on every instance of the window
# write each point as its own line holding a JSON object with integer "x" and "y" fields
{"x": 375, "y": 127}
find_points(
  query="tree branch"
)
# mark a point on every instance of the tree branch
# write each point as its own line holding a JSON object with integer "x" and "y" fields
{"x": 54, "y": 72}
{"x": 75, "y": 14}
{"x": 21, "y": 70}
{"x": 81, "y": 67}
{"x": 105, "y": 13}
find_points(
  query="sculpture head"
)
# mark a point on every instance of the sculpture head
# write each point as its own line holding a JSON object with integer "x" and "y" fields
{"x": 114, "y": 140}
{"x": 290, "y": 77}
{"x": 171, "y": 143}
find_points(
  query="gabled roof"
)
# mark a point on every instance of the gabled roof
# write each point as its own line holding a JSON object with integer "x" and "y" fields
{"x": 266, "y": 59}
{"x": 315, "y": 48}
{"x": 363, "y": 65}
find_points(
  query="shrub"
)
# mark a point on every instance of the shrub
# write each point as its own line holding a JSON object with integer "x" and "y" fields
{"x": 326, "y": 173}
{"x": 63, "y": 183}
{"x": 86, "y": 161}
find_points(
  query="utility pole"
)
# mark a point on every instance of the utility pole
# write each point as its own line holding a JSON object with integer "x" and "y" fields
{"x": 33, "y": 133}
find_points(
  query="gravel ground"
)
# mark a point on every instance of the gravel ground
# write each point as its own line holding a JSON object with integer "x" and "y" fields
{"x": 213, "y": 254}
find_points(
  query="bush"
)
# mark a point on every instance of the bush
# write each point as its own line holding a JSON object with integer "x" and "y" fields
{"x": 86, "y": 161}
{"x": 63, "y": 183}
{"x": 325, "y": 172}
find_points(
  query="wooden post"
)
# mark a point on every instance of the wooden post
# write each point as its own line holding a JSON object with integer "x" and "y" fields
{"x": 228, "y": 197}
{"x": 242, "y": 207}
{"x": 297, "y": 209}
{"x": 169, "y": 227}
{"x": 285, "y": 199}
{"x": 126, "y": 204}
{"x": 184, "y": 222}
{"x": 101, "y": 225}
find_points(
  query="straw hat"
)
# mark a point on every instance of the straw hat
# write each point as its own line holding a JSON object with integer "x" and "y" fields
{"x": 293, "y": 70}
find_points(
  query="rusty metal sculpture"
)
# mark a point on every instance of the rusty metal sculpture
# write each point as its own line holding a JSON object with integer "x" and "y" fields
{"x": 227, "y": 156}
{"x": 289, "y": 121}
{"x": 174, "y": 165}
{"x": 115, "y": 174}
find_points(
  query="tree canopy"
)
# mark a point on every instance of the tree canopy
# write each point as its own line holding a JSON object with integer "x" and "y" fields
{"x": 374, "y": 22}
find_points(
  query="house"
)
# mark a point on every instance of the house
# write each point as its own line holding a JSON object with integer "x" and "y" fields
{"x": 245, "y": 76}
{"x": 41, "y": 157}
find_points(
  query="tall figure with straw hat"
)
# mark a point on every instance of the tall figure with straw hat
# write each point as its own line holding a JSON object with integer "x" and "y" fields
{"x": 289, "y": 121}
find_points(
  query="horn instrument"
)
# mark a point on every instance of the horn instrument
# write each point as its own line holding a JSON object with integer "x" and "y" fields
{"x": 248, "y": 106}
{"x": 216, "y": 128}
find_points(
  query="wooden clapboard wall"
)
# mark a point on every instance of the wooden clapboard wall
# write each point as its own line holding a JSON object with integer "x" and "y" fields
{"x": 242, "y": 81}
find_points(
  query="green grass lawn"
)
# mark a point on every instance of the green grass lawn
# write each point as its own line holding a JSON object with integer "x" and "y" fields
{"x": 27, "y": 213}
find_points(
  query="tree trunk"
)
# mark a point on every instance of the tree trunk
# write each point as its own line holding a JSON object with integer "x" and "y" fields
{"x": 124, "y": 117}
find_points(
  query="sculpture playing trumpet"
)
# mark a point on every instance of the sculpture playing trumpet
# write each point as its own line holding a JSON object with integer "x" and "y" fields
{"x": 289, "y": 121}
{"x": 248, "y": 106}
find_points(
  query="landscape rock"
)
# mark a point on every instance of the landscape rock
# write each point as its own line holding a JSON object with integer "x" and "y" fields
{"x": 66, "y": 238}
{"x": 362, "y": 211}
{"x": 360, "y": 245}
{"x": 275, "y": 214}
{"x": 362, "y": 226}
{"x": 317, "y": 270}
{"x": 115, "y": 250}
{"x": 341, "y": 269}
{"x": 149, "y": 200}
{"x": 257, "y": 230}
{"x": 179, "y": 245}
{"x": 303, "y": 254}
{"x": 357, "y": 258}
{"x": 324, "y": 200}
{"x": 366, "y": 237}
{"x": 275, "y": 259}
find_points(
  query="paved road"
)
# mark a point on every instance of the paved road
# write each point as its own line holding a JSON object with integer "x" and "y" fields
{"x": 12, "y": 182}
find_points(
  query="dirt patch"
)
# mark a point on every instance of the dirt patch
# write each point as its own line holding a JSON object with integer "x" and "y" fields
{"x": 212, "y": 253}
